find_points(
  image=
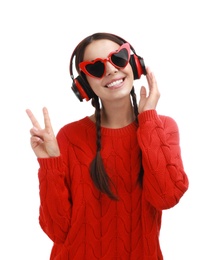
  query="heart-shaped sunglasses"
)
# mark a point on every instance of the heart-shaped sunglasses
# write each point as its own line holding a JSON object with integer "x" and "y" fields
{"x": 97, "y": 67}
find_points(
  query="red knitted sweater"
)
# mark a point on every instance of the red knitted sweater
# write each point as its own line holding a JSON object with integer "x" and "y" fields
{"x": 85, "y": 224}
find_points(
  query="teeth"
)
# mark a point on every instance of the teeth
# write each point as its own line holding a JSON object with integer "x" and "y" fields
{"x": 114, "y": 83}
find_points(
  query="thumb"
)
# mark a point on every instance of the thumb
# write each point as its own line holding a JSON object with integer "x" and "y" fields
{"x": 143, "y": 93}
{"x": 143, "y": 97}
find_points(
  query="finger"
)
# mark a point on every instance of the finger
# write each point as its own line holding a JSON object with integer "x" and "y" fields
{"x": 34, "y": 132}
{"x": 33, "y": 119}
{"x": 152, "y": 83}
{"x": 143, "y": 92}
{"x": 35, "y": 140}
{"x": 149, "y": 76}
{"x": 47, "y": 120}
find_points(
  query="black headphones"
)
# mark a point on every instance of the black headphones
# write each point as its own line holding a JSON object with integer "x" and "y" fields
{"x": 82, "y": 89}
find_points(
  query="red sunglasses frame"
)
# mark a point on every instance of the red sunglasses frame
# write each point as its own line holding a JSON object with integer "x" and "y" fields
{"x": 83, "y": 64}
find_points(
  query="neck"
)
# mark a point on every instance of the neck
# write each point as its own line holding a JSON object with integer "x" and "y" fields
{"x": 117, "y": 115}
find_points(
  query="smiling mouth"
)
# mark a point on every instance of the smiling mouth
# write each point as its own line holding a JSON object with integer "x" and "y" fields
{"x": 114, "y": 83}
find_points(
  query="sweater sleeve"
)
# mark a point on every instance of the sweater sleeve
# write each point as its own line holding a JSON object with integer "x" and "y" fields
{"x": 164, "y": 181}
{"x": 55, "y": 206}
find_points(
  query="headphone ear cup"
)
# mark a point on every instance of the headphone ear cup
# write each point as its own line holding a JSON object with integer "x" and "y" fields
{"x": 81, "y": 89}
{"x": 138, "y": 66}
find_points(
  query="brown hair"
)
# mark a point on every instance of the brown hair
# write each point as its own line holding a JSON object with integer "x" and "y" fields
{"x": 97, "y": 170}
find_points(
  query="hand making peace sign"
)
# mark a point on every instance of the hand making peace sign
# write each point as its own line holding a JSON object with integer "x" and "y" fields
{"x": 43, "y": 141}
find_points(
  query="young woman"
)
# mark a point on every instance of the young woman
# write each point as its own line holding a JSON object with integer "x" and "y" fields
{"x": 105, "y": 179}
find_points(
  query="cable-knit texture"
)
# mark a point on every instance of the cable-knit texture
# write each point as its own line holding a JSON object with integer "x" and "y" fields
{"x": 85, "y": 224}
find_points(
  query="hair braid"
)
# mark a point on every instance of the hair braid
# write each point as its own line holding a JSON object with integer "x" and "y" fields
{"x": 97, "y": 170}
{"x": 136, "y": 112}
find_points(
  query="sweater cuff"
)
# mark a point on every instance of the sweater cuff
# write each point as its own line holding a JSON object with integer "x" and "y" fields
{"x": 51, "y": 163}
{"x": 148, "y": 115}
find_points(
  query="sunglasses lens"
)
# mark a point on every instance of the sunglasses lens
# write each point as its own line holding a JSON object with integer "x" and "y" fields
{"x": 121, "y": 58}
{"x": 96, "y": 69}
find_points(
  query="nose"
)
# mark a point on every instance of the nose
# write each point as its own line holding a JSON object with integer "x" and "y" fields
{"x": 110, "y": 69}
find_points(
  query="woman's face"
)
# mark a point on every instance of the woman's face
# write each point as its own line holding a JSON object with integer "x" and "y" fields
{"x": 116, "y": 83}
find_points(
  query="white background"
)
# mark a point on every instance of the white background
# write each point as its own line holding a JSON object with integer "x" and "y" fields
{"x": 37, "y": 39}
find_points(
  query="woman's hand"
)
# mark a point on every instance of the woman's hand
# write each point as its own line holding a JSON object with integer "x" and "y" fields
{"x": 43, "y": 141}
{"x": 149, "y": 102}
